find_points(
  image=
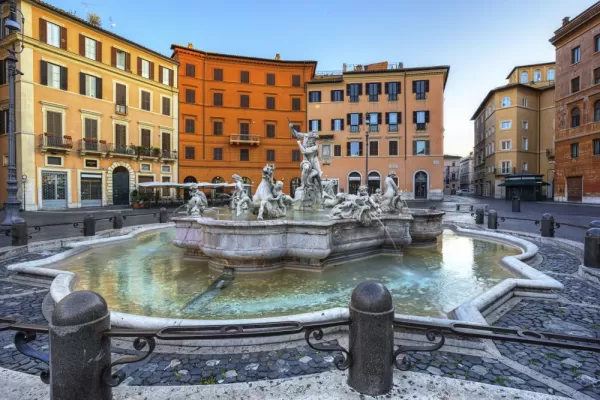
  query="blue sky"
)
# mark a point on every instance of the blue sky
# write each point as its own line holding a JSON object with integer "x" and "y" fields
{"x": 481, "y": 41}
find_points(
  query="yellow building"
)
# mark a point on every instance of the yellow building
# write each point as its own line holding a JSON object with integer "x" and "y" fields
{"x": 95, "y": 113}
{"x": 514, "y": 135}
{"x": 403, "y": 111}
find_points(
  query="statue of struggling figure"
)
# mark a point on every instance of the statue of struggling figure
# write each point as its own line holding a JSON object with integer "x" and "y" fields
{"x": 310, "y": 190}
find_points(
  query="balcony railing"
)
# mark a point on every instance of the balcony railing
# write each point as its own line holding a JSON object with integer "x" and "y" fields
{"x": 49, "y": 142}
{"x": 244, "y": 139}
{"x": 353, "y": 98}
{"x": 92, "y": 146}
{"x": 420, "y": 96}
{"x": 393, "y": 128}
{"x": 169, "y": 155}
{"x": 374, "y": 128}
{"x": 550, "y": 154}
{"x": 121, "y": 109}
{"x": 121, "y": 150}
{"x": 373, "y": 97}
{"x": 421, "y": 126}
{"x": 392, "y": 97}
{"x": 354, "y": 128}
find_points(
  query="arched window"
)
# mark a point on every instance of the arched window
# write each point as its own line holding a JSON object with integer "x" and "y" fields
{"x": 537, "y": 75}
{"x": 354, "y": 179}
{"x": 597, "y": 110}
{"x": 524, "y": 77}
{"x": 294, "y": 183}
{"x": 575, "y": 122}
{"x": 421, "y": 185}
{"x": 506, "y": 102}
{"x": 551, "y": 74}
{"x": 374, "y": 181}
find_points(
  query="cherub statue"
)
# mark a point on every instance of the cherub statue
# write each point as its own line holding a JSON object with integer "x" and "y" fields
{"x": 197, "y": 202}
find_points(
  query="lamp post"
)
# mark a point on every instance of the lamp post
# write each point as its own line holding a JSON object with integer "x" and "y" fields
{"x": 367, "y": 151}
{"x": 12, "y": 204}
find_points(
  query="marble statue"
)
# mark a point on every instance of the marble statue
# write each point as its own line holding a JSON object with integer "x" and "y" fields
{"x": 359, "y": 207}
{"x": 310, "y": 191}
{"x": 240, "y": 200}
{"x": 329, "y": 197}
{"x": 269, "y": 201}
{"x": 391, "y": 201}
{"x": 197, "y": 202}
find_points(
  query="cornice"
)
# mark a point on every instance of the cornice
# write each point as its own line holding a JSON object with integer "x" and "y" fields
{"x": 575, "y": 23}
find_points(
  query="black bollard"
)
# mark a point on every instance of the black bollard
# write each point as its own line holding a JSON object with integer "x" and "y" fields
{"x": 591, "y": 249}
{"x": 371, "y": 339}
{"x": 479, "y": 214}
{"x": 516, "y": 204}
{"x": 471, "y": 207}
{"x": 19, "y": 234}
{"x": 89, "y": 225}
{"x": 117, "y": 220}
{"x": 547, "y": 225}
{"x": 458, "y": 207}
{"x": 78, "y": 351}
{"x": 163, "y": 216}
{"x": 492, "y": 219}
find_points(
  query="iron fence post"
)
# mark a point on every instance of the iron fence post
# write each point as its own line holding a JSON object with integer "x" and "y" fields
{"x": 117, "y": 220}
{"x": 19, "y": 234}
{"x": 479, "y": 214}
{"x": 492, "y": 219}
{"x": 371, "y": 339}
{"x": 78, "y": 351}
{"x": 591, "y": 249}
{"x": 547, "y": 225}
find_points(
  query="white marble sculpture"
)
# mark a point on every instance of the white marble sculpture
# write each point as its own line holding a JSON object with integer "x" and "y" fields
{"x": 269, "y": 201}
{"x": 330, "y": 199}
{"x": 359, "y": 207}
{"x": 310, "y": 191}
{"x": 240, "y": 200}
{"x": 197, "y": 202}
{"x": 391, "y": 200}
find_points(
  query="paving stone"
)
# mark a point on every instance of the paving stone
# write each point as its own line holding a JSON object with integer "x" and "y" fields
{"x": 305, "y": 359}
{"x": 231, "y": 374}
{"x": 435, "y": 371}
{"x": 572, "y": 363}
{"x": 251, "y": 367}
{"x": 213, "y": 363}
{"x": 479, "y": 370}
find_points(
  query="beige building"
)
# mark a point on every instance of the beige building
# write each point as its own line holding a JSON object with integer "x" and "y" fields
{"x": 514, "y": 135}
{"x": 451, "y": 174}
{"x": 401, "y": 109}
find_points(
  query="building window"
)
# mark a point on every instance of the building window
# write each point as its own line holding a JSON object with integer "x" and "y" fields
{"x": 50, "y": 160}
{"x": 218, "y": 99}
{"x": 166, "y": 76}
{"x": 525, "y": 125}
{"x": 524, "y": 77}
{"x": 337, "y": 150}
{"x": 337, "y": 125}
{"x": 575, "y": 85}
{"x": 56, "y": 76}
{"x": 146, "y": 136}
{"x": 574, "y": 150}
{"x": 190, "y": 96}
{"x": 315, "y": 125}
{"x": 537, "y": 75}
{"x": 166, "y": 106}
{"x": 271, "y": 79}
{"x": 525, "y": 143}
{"x": 270, "y": 155}
{"x": 374, "y": 148}
{"x": 373, "y": 90}
{"x": 505, "y": 125}
{"x": 421, "y": 118}
{"x": 217, "y": 74}
{"x": 295, "y": 155}
{"x": 596, "y": 145}
{"x": 244, "y": 128}
{"x": 374, "y": 120}
{"x": 421, "y": 147}
{"x": 392, "y": 120}
{"x": 596, "y": 76}
{"x": 524, "y": 101}
{"x": 524, "y": 167}
{"x": 296, "y": 104}
{"x": 120, "y": 59}
{"x": 270, "y": 103}
{"x": 90, "y": 86}
{"x": 270, "y": 130}
{"x": 505, "y": 167}
{"x": 506, "y": 102}
{"x": 420, "y": 89}
{"x": 337, "y": 95}
{"x": 575, "y": 122}
{"x": 190, "y": 126}
{"x": 354, "y": 90}
{"x": 354, "y": 120}
{"x": 53, "y": 34}
{"x": 392, "y": 89}
{"x": 217, "y": 154}
{"x": 354, "y": 149}
{"x": 217, "y": 128}
{"x": 245, "y": 76}
{"x": 576, "y": 55}
{"x": 145, "y": 64}
{"x": 393, "y": 148}
{"x": 145, "y": 100}
{"x": 190, "y": 70}
{"x": 505, "y": 145}
{"x": 551, "y": 74}
{"x": 244, "y": 101}
{"x": 314, "y": 96}
{"x": 189, "y": 153}
{"x": 597, "y": 110}
{"x": 244, "y": 155}
{"x": 296, "y": 81}
{"x": 90, "y": 48}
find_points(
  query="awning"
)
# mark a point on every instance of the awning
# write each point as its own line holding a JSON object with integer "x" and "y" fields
{"x": 522, "y": 183}
{"x": 186, "y": 185}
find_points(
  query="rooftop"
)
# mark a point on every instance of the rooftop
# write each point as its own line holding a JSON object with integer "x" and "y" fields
{"x": 529, "y": 66}
{"x": 569, "y": 25}
{"x": 507, "y": 86}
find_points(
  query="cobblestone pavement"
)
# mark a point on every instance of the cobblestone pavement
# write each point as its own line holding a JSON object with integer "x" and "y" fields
{"x": 528, "y": 367}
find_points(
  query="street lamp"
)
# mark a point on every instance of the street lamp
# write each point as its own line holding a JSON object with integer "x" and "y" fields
{"x": 12, "y": 204}
{"x": 367, "y": 151}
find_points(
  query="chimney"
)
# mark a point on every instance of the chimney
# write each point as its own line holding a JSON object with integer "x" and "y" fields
{"x": 344, "y": 67}
{"x": 190, "y": 45}
{"x": 277, "y": 57}
{"x": 565, "y": 20}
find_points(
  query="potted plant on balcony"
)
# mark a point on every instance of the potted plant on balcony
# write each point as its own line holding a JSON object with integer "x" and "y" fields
{"x": 47, "y": 134}
{"x": 156, "y": 151}
{"x": 68, "y": 142}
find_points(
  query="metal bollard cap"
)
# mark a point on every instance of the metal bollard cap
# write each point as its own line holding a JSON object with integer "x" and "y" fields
{"x": 371, "y": 296}
{"x": 79, "y": 308}
{"x": 494, "y": 212}
{"x": 547, "y": 216}
{"x": 595, "y": 224}
{"x": 593, "y": 233}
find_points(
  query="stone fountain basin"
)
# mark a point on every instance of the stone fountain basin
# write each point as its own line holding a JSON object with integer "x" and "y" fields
{"x": 253, "y": 246}
{"x": 426, "y": 225}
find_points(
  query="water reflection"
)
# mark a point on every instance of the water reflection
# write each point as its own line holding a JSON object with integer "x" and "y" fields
{"x": 150, "y": 276}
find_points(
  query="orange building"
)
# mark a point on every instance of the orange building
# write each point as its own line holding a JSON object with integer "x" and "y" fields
{"x": 234, "y": 115}
{"x": 403, "y": 111}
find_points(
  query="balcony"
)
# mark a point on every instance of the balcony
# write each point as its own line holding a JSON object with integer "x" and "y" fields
{"x": 354, "y": 128}
{"x": 420, "y": 96}
{"x": 53, "y": 144}
{"x": 121, "y": 109}
{"x": 147, "y": 152}
{"x": 392, "y": 97}
{"x": 373, "y": 97}
{"x": 244, "y": 139}
{"x": 92, "y": 146}
{"x": 374, "y": 128}
{"x": 421, "y": 126}
{"x": 550, "y": 154}
{"x": 353, "y": 98}
{"x": 168, "y": 155}
{"x": 119, "y": 150}
{"x": 393, "y": 128}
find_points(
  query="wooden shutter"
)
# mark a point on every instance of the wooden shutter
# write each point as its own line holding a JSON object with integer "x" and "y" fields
{"x": 379, "y": 88}
{"x": 387, "y": 84}
{"x": 332, "y": 124}
{"x": 82, "y": 83}
{"x": 387, "y": 117}
{"x": 139, "y": 66}
{"x": 58, "y": 124}
{"x": 331, "y": 95}
{"x": 120, "y": 135}
{"x": 414, "y": 85}
{"x": 348, "y": 92}
{"x": 98, "y": 88}
{"x": 171, "y": 77}
{"x": 113, "y": 56}
{"x": 427, "y": 147}
{"x": 2, "y": 121}
{"x": 81, "y": 45}
{"x": 128, "y": 62}
{"x": 166, "y": 141}
{"x": 378, "y": 118}
{"x": 121, "y": 94}
{"x": 64, "y": 78}
{"x": 426, "y": 116}
{"x": 400, "y": 117}
{"x": 319, "y": 125}
{"x": 98, "y": 51}
{"x": 146, "y": 138}
{"x": 342, "y": 121}
{"x": 349, "y": 119}
{"x": 348, "y": 147}
{"x": 43, "y": 30}
{"x": 360, "y": 89}
{"x": 360, "y": 119}
{"x": 63, "y": 38}
{"x": 160, "y": 73}
{"x": 151, "y": 70}
{"x": 44, "y": 72}
{"x": 3, "y": 76}
{"x": 414, "y": 117}
{"x": 360, "y": 148}
{"x": 427, "y": 86}
{"x": 414, "y": 147}
{"x": 399, "y": 86}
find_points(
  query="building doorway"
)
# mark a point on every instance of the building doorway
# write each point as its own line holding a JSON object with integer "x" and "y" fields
{"x": 421, "y": 184}
{"x": 91, "y": 190}
{"x": 54, "y": 190}
{"x": 374, "y": 182}
{"x": 575, "y": 188}
{"x": 120, "y": 186}
{"x": 354, "y": 179}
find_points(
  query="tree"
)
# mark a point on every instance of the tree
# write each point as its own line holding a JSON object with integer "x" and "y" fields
{"x": 94, "y": 19}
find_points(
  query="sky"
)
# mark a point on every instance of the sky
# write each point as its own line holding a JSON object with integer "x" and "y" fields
{"x": 481, "y": 41}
